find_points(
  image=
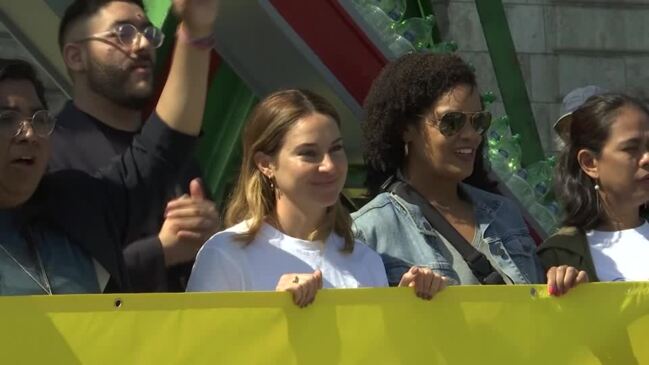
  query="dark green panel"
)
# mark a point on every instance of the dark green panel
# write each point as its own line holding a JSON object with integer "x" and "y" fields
{"x": 229, "y": 100}
{"x": 229, "y": 103}
{"x": 509, "y": 77}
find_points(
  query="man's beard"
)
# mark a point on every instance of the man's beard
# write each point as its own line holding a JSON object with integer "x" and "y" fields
{"x": 113, "y": 83}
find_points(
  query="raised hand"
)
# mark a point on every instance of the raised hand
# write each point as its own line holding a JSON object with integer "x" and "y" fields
{"x": 189, "y": 221}
{"x": 198, "y": 16}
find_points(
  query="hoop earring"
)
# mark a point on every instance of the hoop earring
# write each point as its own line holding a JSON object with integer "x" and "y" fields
{"x": 405, "y": 149}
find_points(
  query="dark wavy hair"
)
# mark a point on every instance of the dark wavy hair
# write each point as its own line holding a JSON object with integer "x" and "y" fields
{"x": 589, "y": 129}
{"x": 404, "y": 90}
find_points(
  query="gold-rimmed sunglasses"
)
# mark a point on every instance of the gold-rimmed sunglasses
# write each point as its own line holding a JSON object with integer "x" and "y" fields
{"x": 451, "y": 123}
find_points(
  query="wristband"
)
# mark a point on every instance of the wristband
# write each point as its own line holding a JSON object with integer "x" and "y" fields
{"x": 207, "y": 42}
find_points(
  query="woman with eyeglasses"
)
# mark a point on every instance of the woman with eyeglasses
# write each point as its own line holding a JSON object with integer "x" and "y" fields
{"x": 434, "y": 204}
{"x": 64, "y": 232}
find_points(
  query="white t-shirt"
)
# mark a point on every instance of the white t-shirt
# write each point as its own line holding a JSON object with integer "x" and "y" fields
{"x": 223, "y": 264}
{"x": 620, "y": 255}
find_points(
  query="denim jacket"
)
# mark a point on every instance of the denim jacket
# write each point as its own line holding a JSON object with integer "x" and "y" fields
{"x": 399, "y": 232}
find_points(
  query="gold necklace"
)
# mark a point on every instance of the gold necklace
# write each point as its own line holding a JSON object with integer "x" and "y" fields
{"x": 47, "y": 288}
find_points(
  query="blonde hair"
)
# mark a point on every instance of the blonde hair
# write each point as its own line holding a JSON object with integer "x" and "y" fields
{"x": 253, "y": 198}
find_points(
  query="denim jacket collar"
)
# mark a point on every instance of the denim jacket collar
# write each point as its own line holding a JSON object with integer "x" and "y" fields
{"x": 485, "y": 207}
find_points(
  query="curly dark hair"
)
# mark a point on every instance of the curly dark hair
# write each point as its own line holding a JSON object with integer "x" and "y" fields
{"x": 405, "y": 90}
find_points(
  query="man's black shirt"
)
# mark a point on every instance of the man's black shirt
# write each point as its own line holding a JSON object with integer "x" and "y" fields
{"x": 81, "y": 142}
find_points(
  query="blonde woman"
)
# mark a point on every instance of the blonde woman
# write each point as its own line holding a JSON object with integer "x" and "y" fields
{"x": 287, "y": 228}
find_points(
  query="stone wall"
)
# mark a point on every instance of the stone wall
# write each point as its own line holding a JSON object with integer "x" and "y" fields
{"x": 561, "y": 45}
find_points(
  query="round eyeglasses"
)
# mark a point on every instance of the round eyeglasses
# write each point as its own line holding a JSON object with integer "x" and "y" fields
{"x": 130, "y": 36}
{"x": 13, "y": 123}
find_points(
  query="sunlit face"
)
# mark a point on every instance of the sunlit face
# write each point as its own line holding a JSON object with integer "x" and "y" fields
{"x": 622, "y": 167}
{"x": 451, "y": 157}
{"x": 23, "y": 158}
{"x": 120, "y": 73}
{"x": 310, "y": 168}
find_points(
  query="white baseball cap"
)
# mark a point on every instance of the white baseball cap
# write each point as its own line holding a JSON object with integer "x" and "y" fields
{"x": 571, "y": 102}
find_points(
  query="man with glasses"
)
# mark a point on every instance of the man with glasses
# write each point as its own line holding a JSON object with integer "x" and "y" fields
{"x": 109, "y": 49}
{"x": 64, "y": 233}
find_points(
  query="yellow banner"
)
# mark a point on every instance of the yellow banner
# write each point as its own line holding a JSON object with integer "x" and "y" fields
{"x": 594, "y": 324}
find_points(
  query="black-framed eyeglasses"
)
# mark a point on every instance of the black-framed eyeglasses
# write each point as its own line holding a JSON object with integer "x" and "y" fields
{"x": 452, "y": 122}
{"x": 13, "y": 123}
{"x": 130, "y": 36}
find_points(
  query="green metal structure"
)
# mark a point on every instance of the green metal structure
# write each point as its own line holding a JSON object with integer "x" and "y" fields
{"x": 230, "y": 99}
{"x": 509, "y": 77}
{"x": 229, "y": 102}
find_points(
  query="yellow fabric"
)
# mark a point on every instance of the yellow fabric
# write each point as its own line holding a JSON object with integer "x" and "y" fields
{"x": 595, "y": 324}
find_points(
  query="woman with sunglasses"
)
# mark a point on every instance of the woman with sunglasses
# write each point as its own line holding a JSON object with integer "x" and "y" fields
{"x": 424, "y": 129}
